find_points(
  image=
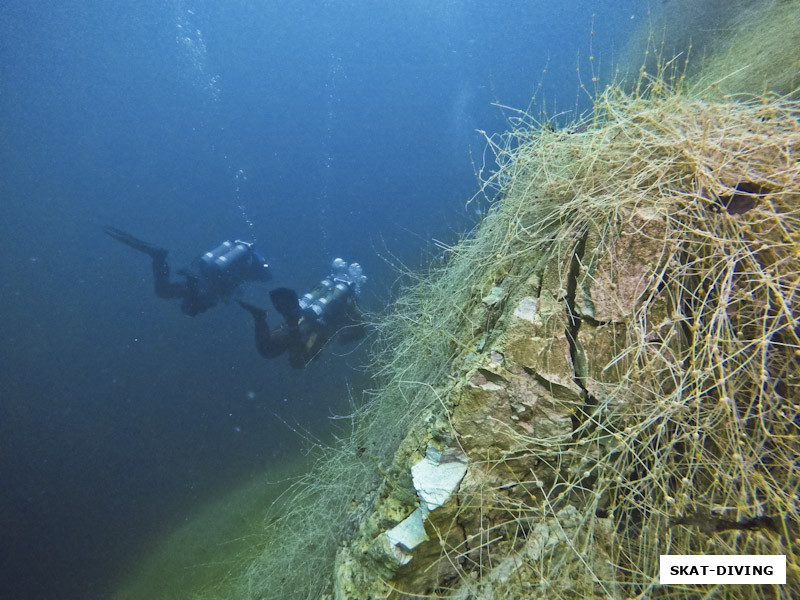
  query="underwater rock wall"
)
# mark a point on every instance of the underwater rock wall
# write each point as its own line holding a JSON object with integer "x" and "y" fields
{"x": 509, "y": 414}
{"x": 625, "y": 377}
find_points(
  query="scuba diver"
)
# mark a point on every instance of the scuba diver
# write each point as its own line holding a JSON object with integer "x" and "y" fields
{"x": 214, "y": 276}
{"x": 313, "y": 319}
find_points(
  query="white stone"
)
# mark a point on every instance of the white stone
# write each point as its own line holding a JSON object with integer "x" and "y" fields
{"x": 495, "y": 297}
{"x": 526, "y": 309}
{"x": 437, "y": 476}
{"x": 409, "y": 533}
{"x": 491, "y": 387}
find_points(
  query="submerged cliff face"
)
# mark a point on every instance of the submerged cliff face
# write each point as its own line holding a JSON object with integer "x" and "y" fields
{"x": 622, "y": 366}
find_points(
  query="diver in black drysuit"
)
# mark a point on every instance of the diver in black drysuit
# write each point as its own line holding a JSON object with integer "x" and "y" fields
{"x": 311, "y": 321}
{"x": 214, "y": 276}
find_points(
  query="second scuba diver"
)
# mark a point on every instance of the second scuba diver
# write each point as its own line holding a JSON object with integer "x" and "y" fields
{"x": 313, "y": 319}
{"x": 214, "y": 276}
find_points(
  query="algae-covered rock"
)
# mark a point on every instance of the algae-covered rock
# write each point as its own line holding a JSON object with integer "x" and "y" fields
{"x": 495, "y": 297}
{"x": 403, "y": 553}
{"x": 552, "y": 539}
{"x": 617, "y": 365}
{"x": 539, "y": 345}
{"x": 617, "y": 272}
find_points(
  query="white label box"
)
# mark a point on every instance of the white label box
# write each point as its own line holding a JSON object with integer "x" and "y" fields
{"x": 721, "y": 569}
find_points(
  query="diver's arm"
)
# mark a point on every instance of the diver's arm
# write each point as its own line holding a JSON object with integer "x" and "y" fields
{"x": 354, "y": 326}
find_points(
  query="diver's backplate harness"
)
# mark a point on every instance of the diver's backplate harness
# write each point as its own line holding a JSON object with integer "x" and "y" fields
{"x": 338, "y": 288}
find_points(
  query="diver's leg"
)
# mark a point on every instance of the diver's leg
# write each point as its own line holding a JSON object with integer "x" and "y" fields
{"x": 164, "y": 287}
{"x": 135, "y": 243}
{"x": 303, "y": 343}
{"x": 268, "y": 346}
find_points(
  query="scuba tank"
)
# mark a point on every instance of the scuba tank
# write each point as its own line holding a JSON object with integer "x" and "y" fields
{"x": 226, "y": 258}
{"x": 329, "y": 292}
{"x": 356, "y": 277}
{"x": 310, "y": 298}
{"x": 233, "y": 256}
{"x": 326, "y": 297}
{"x": 209, "y": 257}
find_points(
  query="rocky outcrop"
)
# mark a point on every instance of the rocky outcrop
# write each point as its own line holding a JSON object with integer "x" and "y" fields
{"x": 589, "y": 414}
{"x": 510, "y": 418}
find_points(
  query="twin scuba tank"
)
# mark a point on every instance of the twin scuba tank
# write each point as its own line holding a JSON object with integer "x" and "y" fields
{"x": 234, "y": 259}
{"x": 333, "y": 291}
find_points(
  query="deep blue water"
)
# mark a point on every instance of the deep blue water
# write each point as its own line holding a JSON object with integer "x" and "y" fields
{"x": 316, "y": 128}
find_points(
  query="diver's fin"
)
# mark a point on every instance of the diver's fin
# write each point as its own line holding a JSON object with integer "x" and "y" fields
{"x": 253, "y": 310}
{"x": 285, "y": 302}
{"x": 135, "y": 243}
